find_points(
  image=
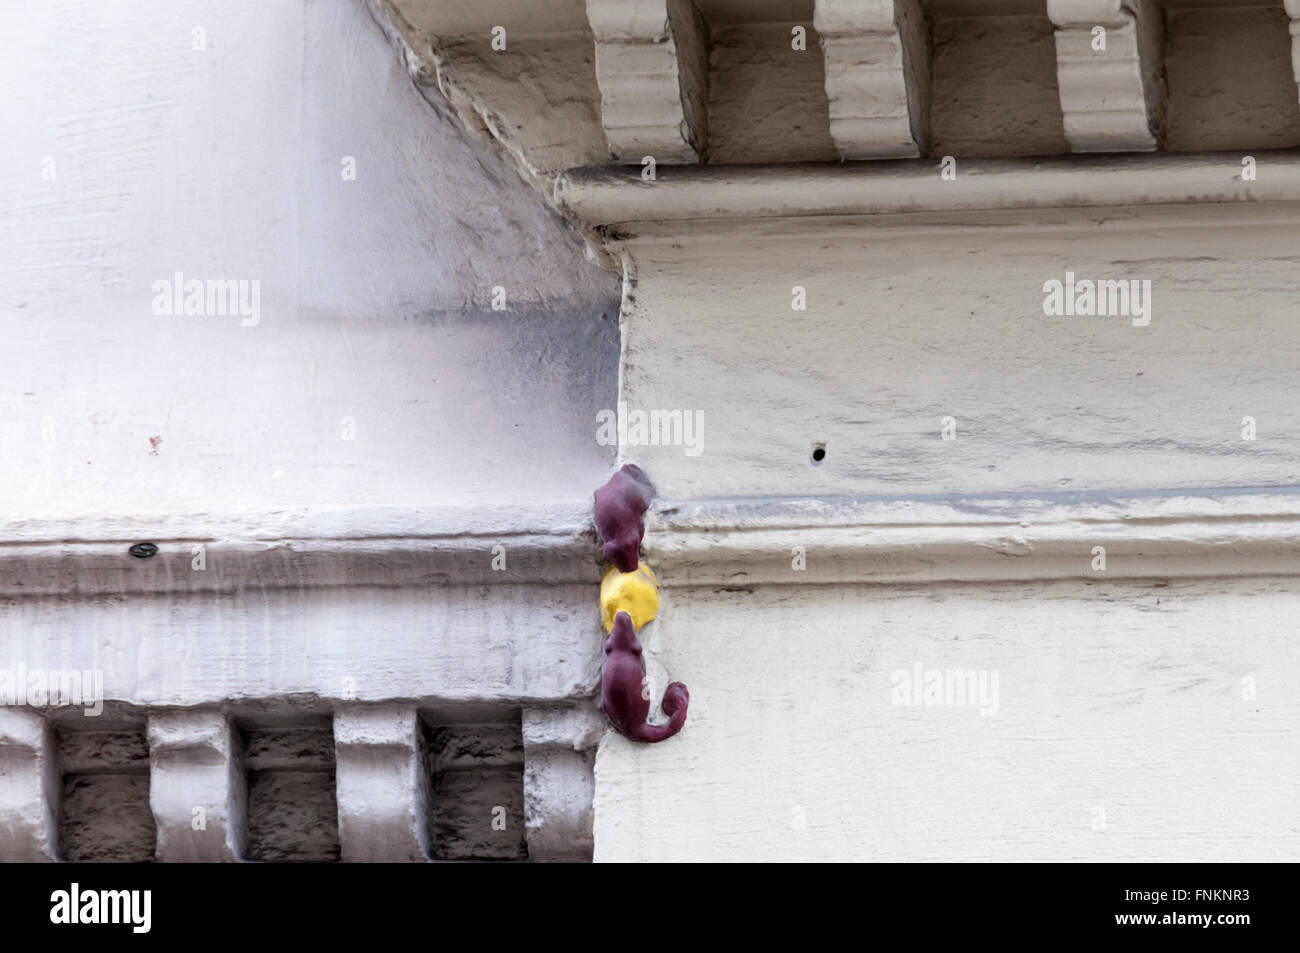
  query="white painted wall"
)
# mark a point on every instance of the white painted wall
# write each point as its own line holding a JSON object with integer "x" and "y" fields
{"x": 1142, "y": 713}
{"x": 1121, "y": 697}
{"x": 338, "y": 574}
{"x": 908, "y": 322}
{"x": 375, "y": 293}
{"x": 356, "y": 571}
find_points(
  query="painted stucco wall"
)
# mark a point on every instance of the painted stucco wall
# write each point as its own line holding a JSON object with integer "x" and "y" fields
{"x": 326, "y": 478}
{"x": 1120, "y": 731}
{"x": 1123, "y": 709}
{"x": 375, "y": 293}
{"x": 863, "y": 338}
{"x": 1143, "y": 711}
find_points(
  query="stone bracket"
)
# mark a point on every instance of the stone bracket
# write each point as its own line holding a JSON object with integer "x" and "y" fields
{"x": 1112, "y": 99}
{"x": 197, "y": 787}
{"x": 1293, "y": 15}
{"x": 877, "y": 66}
{"x": 652, "y": 65}
{"x": 382, "y": 787}
{"x": 559, "y": 780}
{"x": 198, "y": 783}
{"x": 29, "y": 788}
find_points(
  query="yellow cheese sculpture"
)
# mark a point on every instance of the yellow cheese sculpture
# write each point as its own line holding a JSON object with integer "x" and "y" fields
{"x": 636, "y": 593}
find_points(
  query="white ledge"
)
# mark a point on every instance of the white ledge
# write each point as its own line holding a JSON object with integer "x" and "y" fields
{"x": 990, "y": 539}
{"x": 301, "y": 549}
{"x": 607, "y": 195}
{"x": 1147, "y": 534}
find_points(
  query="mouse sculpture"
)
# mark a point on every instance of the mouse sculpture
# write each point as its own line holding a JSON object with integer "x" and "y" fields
{"x": 629, "y": 594}
{"x": 624, "y": 695}
{"x": 620, "y": 504}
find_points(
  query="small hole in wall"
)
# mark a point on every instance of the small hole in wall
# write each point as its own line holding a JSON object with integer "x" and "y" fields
{"x": 818, "y": 454}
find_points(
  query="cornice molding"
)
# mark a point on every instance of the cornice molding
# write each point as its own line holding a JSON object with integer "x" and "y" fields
{"x": 1166, "y": 535}
{"x": 302, "y": 549}
{"x": 605, "y": 196}
{"x": 1158, "y": 534}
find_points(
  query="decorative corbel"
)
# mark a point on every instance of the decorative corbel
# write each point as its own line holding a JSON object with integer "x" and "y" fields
{"x": 629, "y": 598}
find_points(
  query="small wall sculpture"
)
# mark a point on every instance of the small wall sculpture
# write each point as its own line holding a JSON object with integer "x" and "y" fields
{"x": 629, "y": 598}
{"x": 620, "y": 504}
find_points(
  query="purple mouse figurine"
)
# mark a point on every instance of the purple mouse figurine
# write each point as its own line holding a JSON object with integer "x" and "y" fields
{"x": 620, "y": 504}
{"x": 623, "y": 695}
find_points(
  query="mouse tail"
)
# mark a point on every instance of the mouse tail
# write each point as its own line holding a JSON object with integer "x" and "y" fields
{"x": 676, "y": 700}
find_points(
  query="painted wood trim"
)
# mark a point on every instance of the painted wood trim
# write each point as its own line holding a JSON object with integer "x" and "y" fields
{"x": 1147, "y": 534}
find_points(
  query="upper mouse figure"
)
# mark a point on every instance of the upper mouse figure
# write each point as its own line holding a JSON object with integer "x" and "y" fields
{"x": 620, "y": 504}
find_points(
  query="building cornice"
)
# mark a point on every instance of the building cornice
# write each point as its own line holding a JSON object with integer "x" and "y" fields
{"x": 550, "y": 544}
{"x": 1002, "y": 538}
{"x": 610, "y": 196}
{"x": 990, "y": 539}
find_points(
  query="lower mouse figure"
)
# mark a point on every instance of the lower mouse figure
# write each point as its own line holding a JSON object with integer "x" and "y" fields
{"x": 623, "y": 694}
